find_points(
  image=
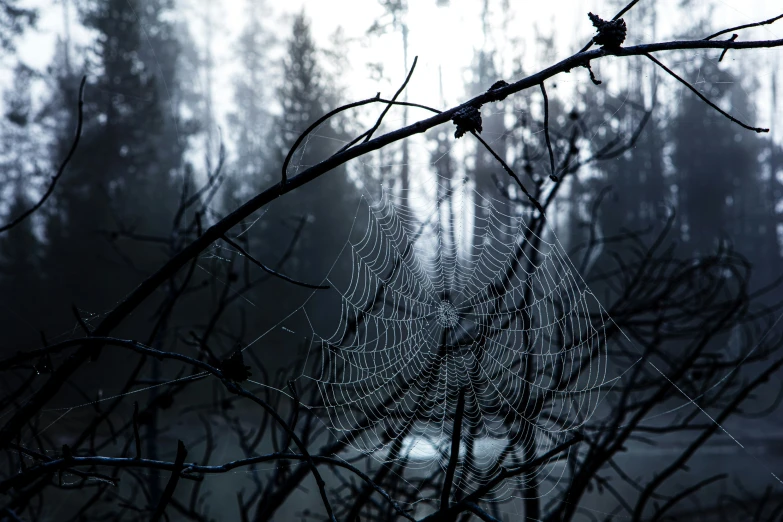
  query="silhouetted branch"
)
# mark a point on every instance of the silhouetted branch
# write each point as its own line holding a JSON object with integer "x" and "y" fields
{"x": 186, "y": 470}
{"x": 136, "y": 437}
{"x": 314, "y": 126}
{"x": 456, "y": 438}
{"x": 552, "y": 174}
{"x": 394, "y": 99}
{"x": 615, "y": 17}
{"x": 182, "y": 453}
{"x": 685, "y": 493}
{"x": 745, "y": 26}
{"x": 511, "y": 173}
{"x": 506, "y": 473}
{"x": 637, "y": 299}
{"x": 476, "y": 510}
{"x": 273, "y": 272}
{"x": 733, "y": 37}
{"x": 703, "y": 98}
{"x": 60, "y": 171}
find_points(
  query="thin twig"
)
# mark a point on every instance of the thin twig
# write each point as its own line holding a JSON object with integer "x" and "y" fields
{"x": 80, "y": 320}
{"x": 533, "y": 464}
{"x": 552, "y": 174}
{"x": 359, "y": 138}
{"x": 456, "y": 438}
{"x": 723, "y": 54}
{"x": 483, "y": 515}
{"x": 136, "y": 436}
{"x": 704, "y": 98}
{"x": 172, "y": 483}
{"x": 617, "y": 16}
{"x": 60, "y": 171}
{"x": 295, "y": 413}
{"x": 659, "y": 512}
{"x": 189, "y": 471}
{"x": 511, "y": 173}
{"x": 745, "y": 26}
{"x": 313, "y": 126}
{"x": 394, "y": 99}
{"x": 272, "y": 272}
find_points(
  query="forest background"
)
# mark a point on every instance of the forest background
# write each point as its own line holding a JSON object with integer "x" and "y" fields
{"x": 201, "y": 95}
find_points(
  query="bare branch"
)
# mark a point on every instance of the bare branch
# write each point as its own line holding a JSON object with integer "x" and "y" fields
{"x": 552, "y": 174}
{"x": 704, "y": 98}
{"x": 136, "y": 436}
{"x": 511, "y": 173}
{"x": 394, "y": 99}
{"x": 273, "y": 272}
{"x": 172, "y": 483}
{"x": 745, "y": 26}
{"x": 456, "y": 438}
{"x": 60, "y": 171}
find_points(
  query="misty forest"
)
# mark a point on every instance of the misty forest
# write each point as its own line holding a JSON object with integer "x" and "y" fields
{"x": 384, "y": 260}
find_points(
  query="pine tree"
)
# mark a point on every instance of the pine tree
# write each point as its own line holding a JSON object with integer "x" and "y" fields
{"x": 639, "y": 188}
{"x": 20, "y": 282}
{"x": 396, "y": 19}
{"x": 717, "y": 169}
{"x": 14, "y": 20}
{"x": 132, "y": 144}
{"x": 250, "y": 120}
{"x": 330, "y": 201}
{"x": 20, "y": 248}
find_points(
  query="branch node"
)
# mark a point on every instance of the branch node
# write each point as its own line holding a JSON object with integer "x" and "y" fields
{"x": 498, "y": 85}
{"x": 593, "y": 79}
{"x": 234, "y": 368}
{"x": 611, "y": 33}
{"x": 467, "y": 119}
{"x": 733, "y": 37}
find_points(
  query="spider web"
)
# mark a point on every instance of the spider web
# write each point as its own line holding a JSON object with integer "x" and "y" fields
{"x": 452, "y": 294}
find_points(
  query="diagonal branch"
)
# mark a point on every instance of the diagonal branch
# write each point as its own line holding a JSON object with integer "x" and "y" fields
{"x": 510, "y": 172}
{"x": 172, "y": 483}
{"x": 394, "y": 99}
{"x": 270, "y": 271}
{"x": 745, "y": 26}
{"x": 704, "y": 98}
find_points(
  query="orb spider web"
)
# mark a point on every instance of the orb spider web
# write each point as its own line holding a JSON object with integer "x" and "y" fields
{"x": 454, "y": 296}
